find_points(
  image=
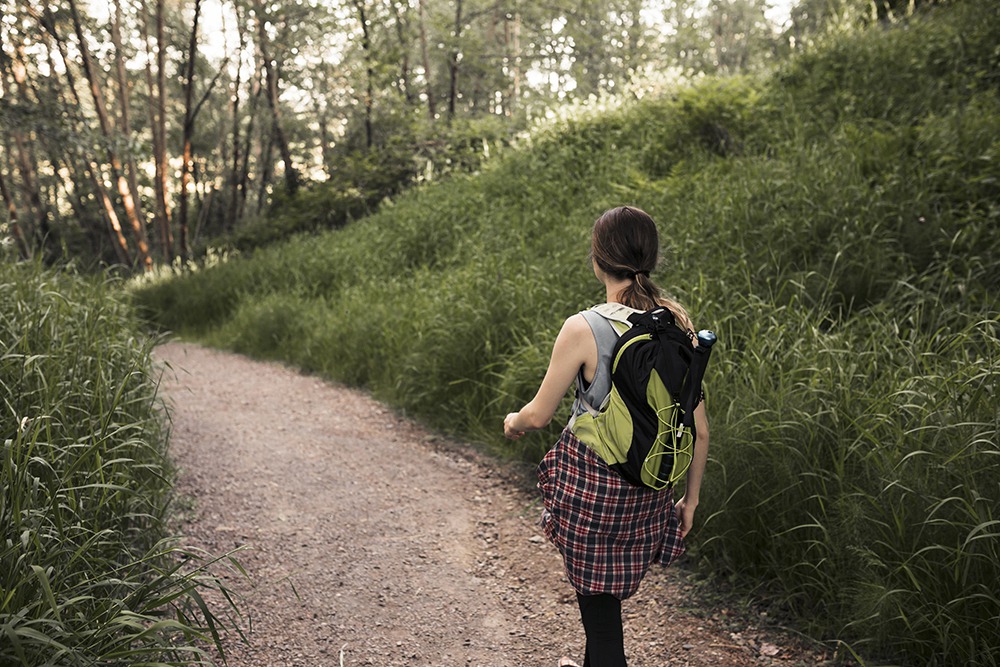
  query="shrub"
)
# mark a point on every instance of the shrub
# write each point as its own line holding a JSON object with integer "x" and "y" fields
{"x": 88, "y": 571}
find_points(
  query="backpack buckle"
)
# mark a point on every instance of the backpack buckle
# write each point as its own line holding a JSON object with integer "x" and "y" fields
{"x": 658, "y": 319}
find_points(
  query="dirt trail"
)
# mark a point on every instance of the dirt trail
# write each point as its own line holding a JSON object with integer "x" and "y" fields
{"x": 369, "y": 542}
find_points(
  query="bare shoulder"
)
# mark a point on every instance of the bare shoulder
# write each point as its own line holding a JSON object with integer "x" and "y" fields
{"x": 575, "y": 332}
{"x": 576, "y": 323}
{"x": 575, "y": 328}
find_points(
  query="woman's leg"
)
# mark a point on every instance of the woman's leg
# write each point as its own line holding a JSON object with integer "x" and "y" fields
{"x": 602, "y": 621}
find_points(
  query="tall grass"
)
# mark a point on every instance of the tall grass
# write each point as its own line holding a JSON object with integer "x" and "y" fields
{"x": 838, "y": 227}
{"x": 88, "y": 574}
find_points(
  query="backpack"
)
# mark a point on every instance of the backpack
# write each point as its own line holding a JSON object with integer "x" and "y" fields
{"x": 645, "y": 428}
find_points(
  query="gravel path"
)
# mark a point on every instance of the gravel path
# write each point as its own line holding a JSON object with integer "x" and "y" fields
{"x": 370, "y": 541}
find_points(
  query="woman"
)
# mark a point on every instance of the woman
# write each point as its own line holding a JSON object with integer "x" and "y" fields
{"x": 608, "y": 531}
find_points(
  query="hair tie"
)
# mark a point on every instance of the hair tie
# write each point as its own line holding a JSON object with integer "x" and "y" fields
{"x": 635, "y": 274}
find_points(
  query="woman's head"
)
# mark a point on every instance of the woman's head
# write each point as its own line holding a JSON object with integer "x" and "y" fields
{"x": 625, "y": 245}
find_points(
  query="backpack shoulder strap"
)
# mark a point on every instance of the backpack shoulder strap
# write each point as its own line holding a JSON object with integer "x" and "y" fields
{"x": 616, "y": 312}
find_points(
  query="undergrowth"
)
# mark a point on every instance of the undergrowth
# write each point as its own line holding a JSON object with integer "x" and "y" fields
{"x": 88, "y": 571}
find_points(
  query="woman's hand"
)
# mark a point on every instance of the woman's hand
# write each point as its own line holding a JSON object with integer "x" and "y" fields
{"x": 685, "y": 514}
{"x": 509, "y": 430}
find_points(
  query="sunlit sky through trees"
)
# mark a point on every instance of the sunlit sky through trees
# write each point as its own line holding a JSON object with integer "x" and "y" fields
{"x": 219, "y": 37}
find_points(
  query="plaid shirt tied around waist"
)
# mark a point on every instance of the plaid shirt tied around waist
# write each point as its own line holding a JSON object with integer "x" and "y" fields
{"x": 608, "y": 531}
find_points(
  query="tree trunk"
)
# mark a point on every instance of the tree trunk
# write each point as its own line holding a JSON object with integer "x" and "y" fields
{"x": 402, "y": 30}
{"x": 322, "y": 110}
{"x": 426, "y": 62}
{"x": 185, "y": 186}
{"x": 191, "y": 109}
{"x": 157, "y": 124}
{"x": 126, "y": 123}
{"x": 23, "y": 249}
{"x": 234, "y": 181}
{"x": 366, "y": 47}
{"x": 265, "y": 172}
{"x": 163, "y": 171}
{"x": 453, "y": 62}
{"x": 278, "y": 133}
{"x": 516, "y": 43}
{"x": 256, "y": 90}
{"x": 110, "y": 216}
{"x": 138, "y": 226}
{"x": 29, "y": 186}
{"x": 325, "y": 141}
{"x": 188, "y": 130}
{"x": 204, "y": 212}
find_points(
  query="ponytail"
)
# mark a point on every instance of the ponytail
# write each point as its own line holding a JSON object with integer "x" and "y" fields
{"x": 643, "y": 294}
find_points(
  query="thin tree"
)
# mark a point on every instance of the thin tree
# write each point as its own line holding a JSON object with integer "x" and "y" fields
{"x": 366, "y": 48}
{"x": 403, "y": 35}
{"x": 453, "y": 59}
{"x": 425, "y": 60}
{"x": 23, "y": 249}
{"x": 256, "y": 90}
{"x": 91, "y": 169}
{"x": 232, "y": 206}
{"x": 124, "y": 98}
{"x": 191, "y": 111}
{"x": 320, "y": 106}
{"x": 157, "y": 123}
{"x": 163, "y": 172}
{"x": 266, "y": 167}
{"x": 271, "y": 81}
{"x": 131, "y": 212}
{"x": 513, "y": 44}
{"x": 188, "y": 129}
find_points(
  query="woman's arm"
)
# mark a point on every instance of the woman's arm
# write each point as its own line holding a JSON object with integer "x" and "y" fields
{"x": 687, "y": 505}
{"x": 569, "y": 353}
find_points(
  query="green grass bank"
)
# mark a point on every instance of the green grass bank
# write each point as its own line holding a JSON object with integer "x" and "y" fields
{"x": 836, "y": 222}
{"x": 88, "y": 574}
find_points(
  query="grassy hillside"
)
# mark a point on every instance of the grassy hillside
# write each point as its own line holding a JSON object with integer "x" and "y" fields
{"x": 836, "y": 223}
{"x": 88, "y": 574}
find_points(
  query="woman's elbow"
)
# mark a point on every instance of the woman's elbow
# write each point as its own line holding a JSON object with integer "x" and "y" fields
{"x": 535, "y": 419}
{"x": 540, "y": 422}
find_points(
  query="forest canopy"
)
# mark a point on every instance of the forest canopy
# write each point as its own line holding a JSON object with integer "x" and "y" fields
{"x": 142, "y": 131}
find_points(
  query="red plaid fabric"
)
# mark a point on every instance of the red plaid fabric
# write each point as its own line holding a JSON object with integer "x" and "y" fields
{"x": 608, "y": 531}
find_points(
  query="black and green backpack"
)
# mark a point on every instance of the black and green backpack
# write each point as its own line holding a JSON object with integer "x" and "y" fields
{"x": 645, "y": 428}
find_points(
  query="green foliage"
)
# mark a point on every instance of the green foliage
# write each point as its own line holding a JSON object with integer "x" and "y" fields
{"x": 362, "y": 179}
{"x": 87, "y": 573}
{"x": 902, "y": 74}
{"x": 836, "y": 223}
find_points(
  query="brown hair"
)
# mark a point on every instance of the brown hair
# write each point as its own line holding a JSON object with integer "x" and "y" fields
{"x": 625, "y": 244}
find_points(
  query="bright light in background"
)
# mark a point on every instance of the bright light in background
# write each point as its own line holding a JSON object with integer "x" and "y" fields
{"x": 652, "y": 15}
{"x": 779, "y": 11}
{"x": 217, "y": 30}
{"x": 216, "y": 25}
